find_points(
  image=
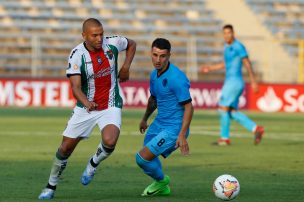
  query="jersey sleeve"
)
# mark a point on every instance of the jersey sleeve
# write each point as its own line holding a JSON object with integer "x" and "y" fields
{"x": 152, "y": 91}
{"x": 242, "y": 51}
{"x": 75, "y": 63}
{"x": 120, "y": 42}
{"x": 181, "y": 89}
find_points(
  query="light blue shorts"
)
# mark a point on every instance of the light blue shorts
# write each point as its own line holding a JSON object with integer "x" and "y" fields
{"x": 161, "y": 140}
{"x": 231, "y": 93}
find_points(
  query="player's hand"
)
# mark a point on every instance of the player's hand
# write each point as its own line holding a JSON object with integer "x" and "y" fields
{"x": 91, "y": 106}
{"x": 255, "y": 87}
{"x": 182, "y": 144}
{"x": 123, "y": 74}
{"x": 205, "y": 69}
{"x": 143, "y": 126}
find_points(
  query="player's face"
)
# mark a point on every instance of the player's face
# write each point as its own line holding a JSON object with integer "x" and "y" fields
{"x": 228, "y": 35}
{"x": 160, "y": 58}
{"x": 93, "y": 37}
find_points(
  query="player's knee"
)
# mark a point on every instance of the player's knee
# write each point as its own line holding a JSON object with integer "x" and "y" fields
{"x": 62, "y": 155}
{"x": 66, "y": 149}
{"x": 108, "y": 149}
{"x": 140, "y": 160}
{"x": 109, "y": 141}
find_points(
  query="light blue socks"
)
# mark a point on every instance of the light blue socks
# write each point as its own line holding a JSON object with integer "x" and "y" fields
{"x": 243, "y": 120}
{"x": 152, "y": 168}
{"x": 225, "y": 124}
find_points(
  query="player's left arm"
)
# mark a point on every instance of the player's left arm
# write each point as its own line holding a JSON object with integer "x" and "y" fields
{"x": 130, "y": 52}
{"x": 247, "y": 64}
{"x": 181, "y": 140}
{"x": 181, "y": 89}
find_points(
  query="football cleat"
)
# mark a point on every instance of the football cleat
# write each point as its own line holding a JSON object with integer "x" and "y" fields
{"x": 222, "y": 142}
{"x": 258, "y": 134}
{"x": 158, "y": 188}
{"x": 46, "y": 194}
{"x": 88, "y": 174}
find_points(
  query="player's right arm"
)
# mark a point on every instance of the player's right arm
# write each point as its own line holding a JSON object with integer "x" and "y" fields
{"x": 215, "y": 67}
{"x": 152, "y": 105}
{"x": 75, "y": 81}
{"x": 74, "y": 74}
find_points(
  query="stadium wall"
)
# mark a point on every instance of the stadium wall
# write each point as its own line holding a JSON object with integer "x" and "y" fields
{"x": 57, "y": 93}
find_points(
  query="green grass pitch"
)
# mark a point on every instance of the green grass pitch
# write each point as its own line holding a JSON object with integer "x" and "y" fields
{"x": 270, "y": 172}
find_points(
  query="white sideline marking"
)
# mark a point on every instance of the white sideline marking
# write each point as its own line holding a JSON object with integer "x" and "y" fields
{"x": 290, "y": 136}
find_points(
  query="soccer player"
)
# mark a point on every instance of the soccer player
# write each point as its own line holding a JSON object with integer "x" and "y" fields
{"x": 92, "y": 71}
{"x": 235, "y": 56}
{"x": 169, "y": 89}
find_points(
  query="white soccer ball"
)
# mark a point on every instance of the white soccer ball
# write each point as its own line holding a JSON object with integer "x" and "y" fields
{"x": 226, "y": 187}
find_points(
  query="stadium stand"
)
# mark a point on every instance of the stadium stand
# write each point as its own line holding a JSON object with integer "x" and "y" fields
{"x": 37, "y": 35}
{"x": 284, "y": 18}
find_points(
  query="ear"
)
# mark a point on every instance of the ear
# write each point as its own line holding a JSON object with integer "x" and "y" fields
{"x": 169, "y": 55}
{"x": 83, "y": 35}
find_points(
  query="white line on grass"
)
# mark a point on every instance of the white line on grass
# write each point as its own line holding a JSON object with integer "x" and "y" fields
{"x": 281, "y": 136}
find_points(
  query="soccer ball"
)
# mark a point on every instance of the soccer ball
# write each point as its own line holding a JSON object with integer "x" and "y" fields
{"x": 226, "y": 187}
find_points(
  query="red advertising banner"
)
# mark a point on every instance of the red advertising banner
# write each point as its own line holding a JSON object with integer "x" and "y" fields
{"x": 24, "y": 93}
{"x": 57, "y": 93}
{"x": 278, "y": 97}
{"x": 204, "y": 95}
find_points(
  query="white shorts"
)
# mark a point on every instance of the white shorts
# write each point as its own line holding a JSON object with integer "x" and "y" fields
{"x": 82, "y": 123}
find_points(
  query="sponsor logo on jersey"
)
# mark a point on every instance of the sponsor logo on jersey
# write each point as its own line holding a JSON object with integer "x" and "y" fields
{"x": 109, "y": 54}
{"x": 99, "y": 60}
{"x": 101, "y": 73}
{"x": 75, "y": 66}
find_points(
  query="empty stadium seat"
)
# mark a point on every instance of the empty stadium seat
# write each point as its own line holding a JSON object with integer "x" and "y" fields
{"x": 42, "y": 32}
{"x": 284, "y": 18}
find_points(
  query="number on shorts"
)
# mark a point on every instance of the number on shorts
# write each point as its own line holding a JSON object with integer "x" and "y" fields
{"x": 161, "y": 142}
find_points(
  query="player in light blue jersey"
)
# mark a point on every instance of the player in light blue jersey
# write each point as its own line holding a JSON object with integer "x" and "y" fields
{"x": 235, "y": 56}
{"x": 170, "y": 94}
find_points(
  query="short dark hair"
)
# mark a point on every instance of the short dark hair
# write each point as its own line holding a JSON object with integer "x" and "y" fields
{"x": 89, "y": 22}
{"x": 162, "y": 44}
{"x": 228, "y": 26}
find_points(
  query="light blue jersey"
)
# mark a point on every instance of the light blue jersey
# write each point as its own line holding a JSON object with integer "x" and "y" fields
{"x": 233, "y": 88}
{"x": 234, "y": 84}
{"x": 171, "y": 90}
{"x": 233, "y": 55}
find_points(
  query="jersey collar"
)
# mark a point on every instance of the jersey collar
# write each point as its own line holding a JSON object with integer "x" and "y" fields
{"x": 85, "y": 46}
{"x": 158, "y": 75}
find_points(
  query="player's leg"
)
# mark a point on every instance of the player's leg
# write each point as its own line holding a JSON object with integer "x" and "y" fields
{"x": 147, "y": 159}
{"x": 224, "y": 111}
{"x": 243, "y": 120}
{"x": 109, "y": 123}
{"x": 224, "y": 126}
{"x": 79, "y": 126}
{"x": 59, "y": 164}
{"x": 110, "y": 136}
{"x": 249, "y": 124}
{"x": 151, "y": 166}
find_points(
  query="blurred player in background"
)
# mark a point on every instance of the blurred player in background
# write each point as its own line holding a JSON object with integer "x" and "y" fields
{"x": 235, "y": 56}
{"x": 93, "y": 72}
{"x": 170, "y": 94}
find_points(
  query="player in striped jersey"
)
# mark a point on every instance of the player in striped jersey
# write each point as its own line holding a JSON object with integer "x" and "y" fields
{"x": 93, "y": 74}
